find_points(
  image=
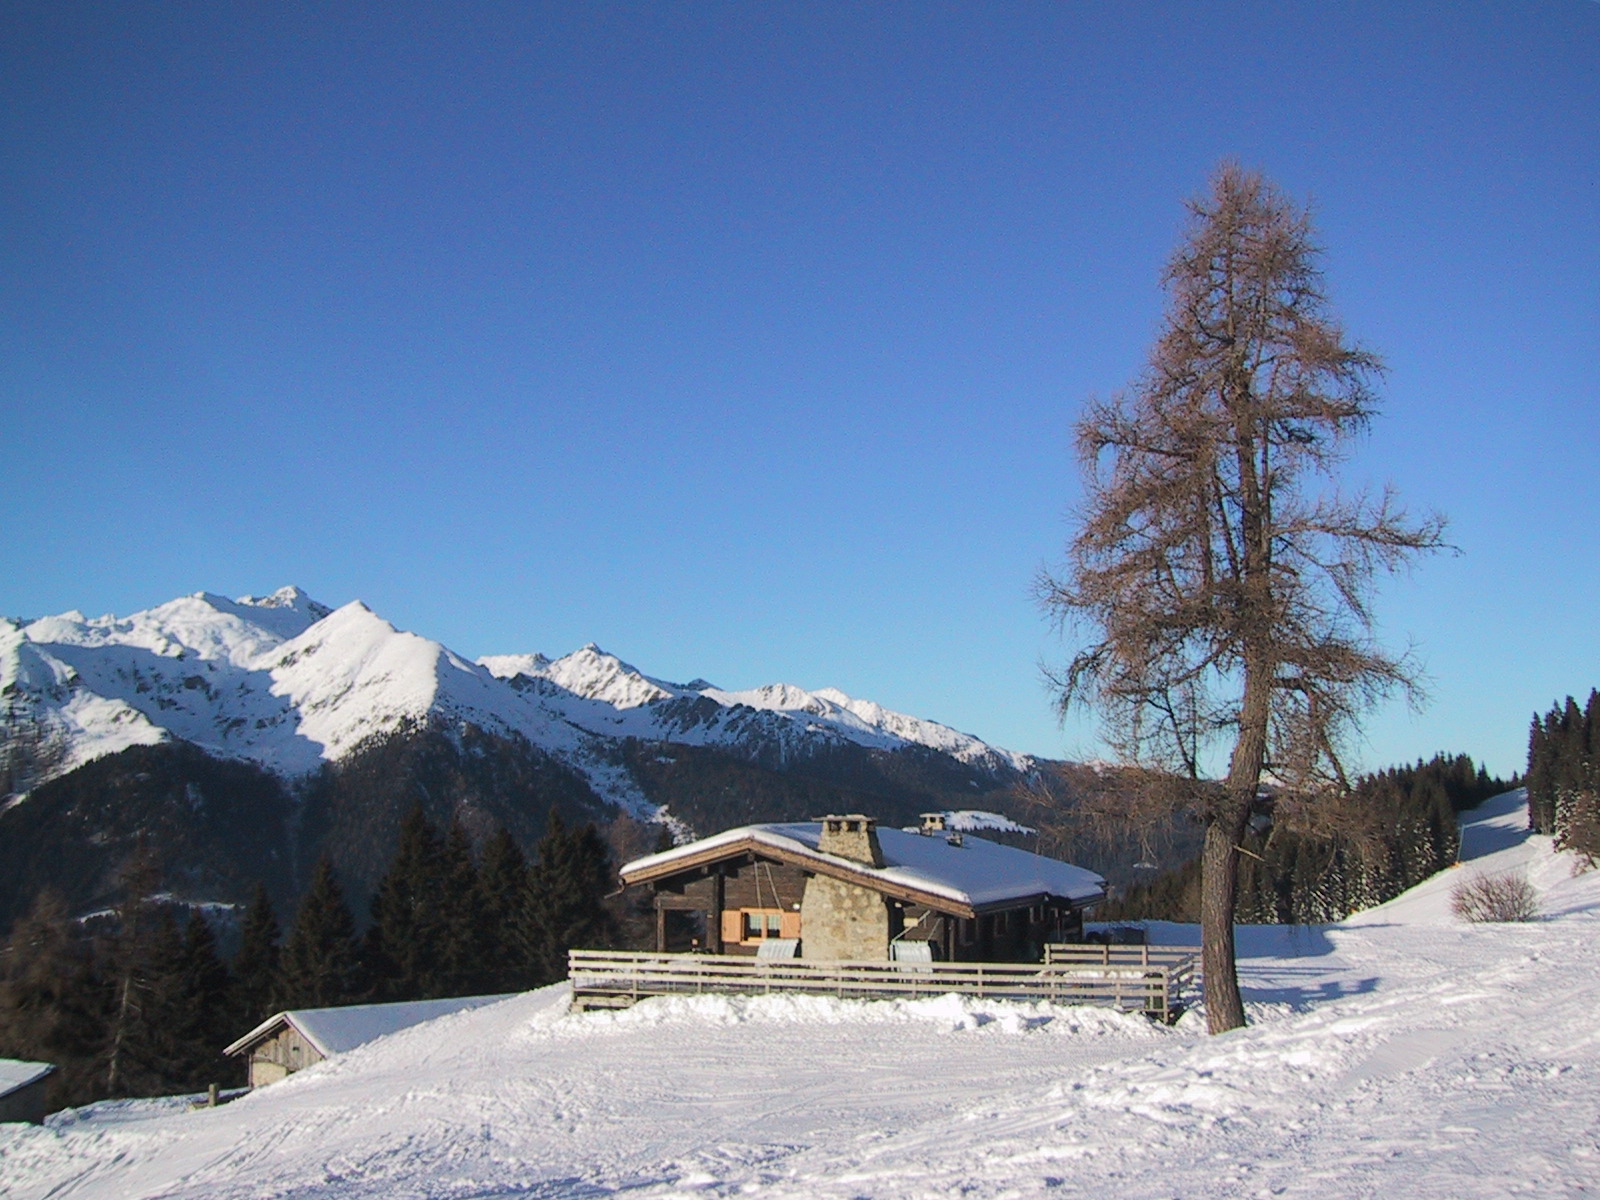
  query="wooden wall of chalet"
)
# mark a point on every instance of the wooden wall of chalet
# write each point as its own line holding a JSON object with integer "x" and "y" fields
{"x": 706, "y": 909}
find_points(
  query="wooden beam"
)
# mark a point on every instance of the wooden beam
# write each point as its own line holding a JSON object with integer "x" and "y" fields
{"x": 714, "y": 917}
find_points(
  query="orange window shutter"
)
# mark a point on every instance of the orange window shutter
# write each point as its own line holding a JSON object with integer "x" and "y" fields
{"x": 732, "y": 925}
{"x": 790, "y": 925}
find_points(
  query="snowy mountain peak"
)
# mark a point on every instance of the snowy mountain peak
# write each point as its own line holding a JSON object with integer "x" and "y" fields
{"x": 588, "y": 672}
{"x": 289, "y": 597}
{"x": 289, "y": 683}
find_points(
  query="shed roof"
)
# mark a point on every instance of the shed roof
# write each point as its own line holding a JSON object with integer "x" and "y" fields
{"x": 16, "y": 1074}
{"x": 974, "y": 874}
{"x": 335, "y": 1030}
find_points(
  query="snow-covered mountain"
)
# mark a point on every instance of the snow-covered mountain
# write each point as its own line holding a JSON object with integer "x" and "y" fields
{"x": 288, "y": 683}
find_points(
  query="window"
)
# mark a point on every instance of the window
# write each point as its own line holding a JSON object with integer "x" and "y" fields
{"x": 742, "y": 926}
{"x": 760, "y": 923}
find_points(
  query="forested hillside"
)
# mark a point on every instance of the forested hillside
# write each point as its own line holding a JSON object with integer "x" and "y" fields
{"x": 1564, "y": 775}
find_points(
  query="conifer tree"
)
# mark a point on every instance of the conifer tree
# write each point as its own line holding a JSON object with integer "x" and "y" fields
{"x": 319, "y": 963}
{"x": 50, "y": 1001}
{"x": 566, "y": 886}
{"x": 141, "y": 955}
{"x": 464, "y": 948}
{"x": 405, "y": 943}
{"x": 206, "y": 1013}
{"x": 256, "y": 988}
{"x": 503, "y": 886}
{"x": 1564, "y": 775}
{"x": 1223, "y": 583}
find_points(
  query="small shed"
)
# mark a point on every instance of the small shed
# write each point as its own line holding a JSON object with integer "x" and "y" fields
{"x": 22, "y": 1087}
{"x": 290, "y": 1041}
{"x": 840, "y": 888}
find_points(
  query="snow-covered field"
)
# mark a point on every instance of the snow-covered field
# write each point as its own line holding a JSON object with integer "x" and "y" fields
{"x": 1397, "y": 1054}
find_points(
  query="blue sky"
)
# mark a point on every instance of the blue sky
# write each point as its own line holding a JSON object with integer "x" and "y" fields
{"x": 746, "y": 340}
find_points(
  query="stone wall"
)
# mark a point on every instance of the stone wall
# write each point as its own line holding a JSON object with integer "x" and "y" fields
{"x": 840, "y": 920}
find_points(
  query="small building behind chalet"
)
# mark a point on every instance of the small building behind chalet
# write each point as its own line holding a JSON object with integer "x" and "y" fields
{"x": 291, "y": 1041}
{"x": 840, "y": 888}
{"x": 22, "y": 1086}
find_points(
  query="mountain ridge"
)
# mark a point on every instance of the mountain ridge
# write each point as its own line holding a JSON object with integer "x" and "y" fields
{"x": 289, "y": 683}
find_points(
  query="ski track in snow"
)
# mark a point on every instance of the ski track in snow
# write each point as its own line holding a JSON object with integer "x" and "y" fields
{"x": 1396, "y": 1053}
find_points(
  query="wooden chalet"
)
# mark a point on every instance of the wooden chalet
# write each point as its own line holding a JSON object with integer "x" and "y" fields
{"x": 291, "y": 1041}
{"x": 840, "y": 889}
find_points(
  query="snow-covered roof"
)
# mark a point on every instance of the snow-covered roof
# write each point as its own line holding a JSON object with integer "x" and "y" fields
{"x": 14, "y": 1074}
{"x": 335, "y": 1030}
{"x": 973, "y": 873}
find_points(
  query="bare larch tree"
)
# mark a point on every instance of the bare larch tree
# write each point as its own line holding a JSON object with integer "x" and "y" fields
{"x": 1221, "y": 578}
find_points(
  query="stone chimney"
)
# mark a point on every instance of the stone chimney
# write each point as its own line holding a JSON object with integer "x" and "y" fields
{"x": 932, "y": 823}
{"x": 852, "y": 836}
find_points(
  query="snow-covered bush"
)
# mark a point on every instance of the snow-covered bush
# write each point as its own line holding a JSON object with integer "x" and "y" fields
{"x": 1504, "y": 897}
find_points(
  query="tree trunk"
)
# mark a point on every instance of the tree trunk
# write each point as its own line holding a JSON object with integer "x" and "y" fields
{"x": 1219, "y": 872}
{"x": 1219, "y": 859}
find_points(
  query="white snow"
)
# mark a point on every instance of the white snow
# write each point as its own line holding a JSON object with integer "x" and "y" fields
{"x": 1399, "y": 1054}
{"x": 976, "y": 820}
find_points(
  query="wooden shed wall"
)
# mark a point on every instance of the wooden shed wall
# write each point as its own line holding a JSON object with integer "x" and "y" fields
{"x": 26, "y": 1103}
{"x": 282, "y": 1055}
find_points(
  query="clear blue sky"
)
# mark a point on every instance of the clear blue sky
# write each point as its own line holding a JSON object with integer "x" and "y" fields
{"x": 746, "y": 339}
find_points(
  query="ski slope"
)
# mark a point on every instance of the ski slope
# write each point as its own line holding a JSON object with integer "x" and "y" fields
{"x": 1397, "y": 1053}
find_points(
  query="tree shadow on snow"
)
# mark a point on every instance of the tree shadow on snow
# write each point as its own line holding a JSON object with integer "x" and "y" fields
{"x": 1281, "y": 988}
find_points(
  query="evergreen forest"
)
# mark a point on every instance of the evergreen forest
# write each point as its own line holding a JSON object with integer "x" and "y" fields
{"x": 1564, "y": 775}
{"x": 140, "y": 1000}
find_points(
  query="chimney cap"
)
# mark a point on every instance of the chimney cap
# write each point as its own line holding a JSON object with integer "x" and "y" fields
{"x": 853, "y": 836}
{"x": 849, "y": 822}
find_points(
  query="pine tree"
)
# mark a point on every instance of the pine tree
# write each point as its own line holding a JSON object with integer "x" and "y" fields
{"x": 51, "y": 1006}
{"x": 464, "y": 949}
{"x": 503, "y": 886}
{"x": 319, "y": 964}
{"x": 256, "y": 987}
{"x": 142, "y": 955}
{"x": 405, "y": 943}
{"x": 206, "y": 1017}
{"x": 573, "y": 875}
{"x": 1564, "y": 775}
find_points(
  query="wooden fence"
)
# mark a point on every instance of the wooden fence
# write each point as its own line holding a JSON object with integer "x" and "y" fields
{"x": 1153, "y": 984}
{"x": 1092, "y": 954}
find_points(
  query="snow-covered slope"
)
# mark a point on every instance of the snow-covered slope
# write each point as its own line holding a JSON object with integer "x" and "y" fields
{"x": 1401, "y": 1054}
{"x": 287, "y": 682}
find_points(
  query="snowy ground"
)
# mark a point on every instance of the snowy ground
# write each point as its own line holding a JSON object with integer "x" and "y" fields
{"x": 1396, "y": 1053}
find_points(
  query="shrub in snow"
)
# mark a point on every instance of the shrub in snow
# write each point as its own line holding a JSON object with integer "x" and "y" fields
{"x": 1505, "y": 897}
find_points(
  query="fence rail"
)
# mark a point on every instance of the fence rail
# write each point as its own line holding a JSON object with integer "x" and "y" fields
{"x": 606, "y": 978}
{"x": 1121, "y": 956}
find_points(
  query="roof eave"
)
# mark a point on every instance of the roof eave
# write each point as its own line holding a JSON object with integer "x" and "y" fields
{"x": 818, "y": 864}
{"x": 1009, "y": 902}
{"x": 268, "y": 1027}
